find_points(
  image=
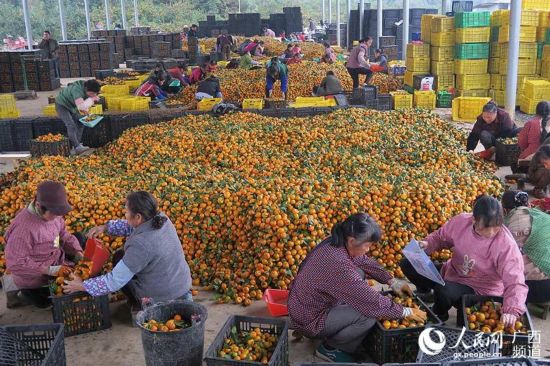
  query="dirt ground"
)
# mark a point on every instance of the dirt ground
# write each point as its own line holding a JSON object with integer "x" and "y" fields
{"x": 121, "y": 345}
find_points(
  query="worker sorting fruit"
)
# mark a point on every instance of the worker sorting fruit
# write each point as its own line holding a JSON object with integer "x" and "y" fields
{"x": 152, "y": 264}
{"x": 531, "y": 230}
{"x": 330, "y": 298}
{"x": 486, "y": 261}
{"x": 38, "y": 245}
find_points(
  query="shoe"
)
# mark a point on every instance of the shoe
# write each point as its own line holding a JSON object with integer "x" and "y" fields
{"x": 13, "y": 300}
{"x": 80, "y": 149}
{"x": 333, "y": 355}
{"x": 427, "y": 297}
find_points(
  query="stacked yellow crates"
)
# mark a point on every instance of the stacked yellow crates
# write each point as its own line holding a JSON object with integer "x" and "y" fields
{"x": 529, "y": 51}
{"x": 418, "y": 61}
{"x": 442, "y": 57}
{"x": 8, "y": 109}
{"x": 472, "y": 54}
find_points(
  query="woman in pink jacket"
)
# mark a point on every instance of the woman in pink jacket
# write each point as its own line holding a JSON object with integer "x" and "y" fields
{"x": 486, "y": 261}
{"x": 535, "y": 131}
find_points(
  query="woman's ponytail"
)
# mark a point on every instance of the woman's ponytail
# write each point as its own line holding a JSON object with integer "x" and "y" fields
{"x": 338, "y": 236}
{"x": 158, "y": 221}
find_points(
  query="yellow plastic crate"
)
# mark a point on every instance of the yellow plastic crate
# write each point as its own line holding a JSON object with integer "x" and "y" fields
{"x": 467, "y": 109}
{"x": 526, "y": 34}
{"x": 444, "y": 82}
{"x": 496, "y": 82}
{"x": 479, "y": 93}
{"x": 10, "y": 114}
{"x": 426, "y": 27}
{"x": 133, "y": 84}
{"x": 402, "y": 100}
{"x": 253, "y": 104}
{"x": 49, "y": 110}
{"x": 545, "y": 70}
{"x": 544, "y": 19}
{"x": 133, "y": 104}
{"x": 418, "y": 50}
{"x": 409, "y": 77}
{"x": 469, "y": 82}
{"x": 528, "y": 105}
{"x": 496, "y": 18}
{"x": 473, "y": 35}
{"x": 424, "y": 99}
{"x": 526, "y": 66}
{"x": 418, "y": 64}
{"x": 113, "y": 101}
{"x": 122, "y": 90}
{"x": 443, "y": 67}
{"x": 442, "y": 53}
{"x": 539, "y": 67}
{"x": 526, "y": 50}
{"x": 546, "y": 53}
{"x": 304, "y": 102}
{"x": 499, "y": 96}
{"x": 96, "y": 109}
{"x": 535, "y": 4}
{"x": 494, "y": 65}
{"x": 541, "y": 34}
{"x": 475, "y": 67}
{"x": 7, "y": 103}
{"x": 443, "y": 24}
{"x": 494, "y": 50}
{"x": 443, "y": 39}
{"x": 528, "y": 18}
{"x": 523, "y": 79}
{"x": 207, "y": 104}
{"x": 537, "y": 89}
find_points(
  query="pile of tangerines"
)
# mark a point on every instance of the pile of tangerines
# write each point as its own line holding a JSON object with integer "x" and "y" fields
{"x": 173, "y": 324}
{"x": 251, "y": 195}
{"x": 256, "y": 346}
{"x": 50, "y": 137}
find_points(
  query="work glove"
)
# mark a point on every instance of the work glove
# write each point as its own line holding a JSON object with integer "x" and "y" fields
{"x": 416, "y": 315}
{"x": 509, "y": 320}
{"x": 400, "y": 288}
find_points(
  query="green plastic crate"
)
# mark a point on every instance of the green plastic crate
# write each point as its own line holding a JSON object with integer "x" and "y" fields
{"x": 494, "y": 34}
{"x": 547, "y": 36}
{"x": 444, "y": 99}
{"x": 471, "y": 20}
{"x": 469, "y": 51}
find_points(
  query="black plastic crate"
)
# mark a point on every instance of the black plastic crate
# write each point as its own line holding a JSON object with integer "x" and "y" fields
{"x": 122, "y": 122}
{"x": 397, "y": 345}
{"x": 384, "y": 102}
{"x": 506, "y": 154}
{"x": 361, "y": 95}
{"x": 98, "y": 136}
{"x": 6, "y": 138}
{"x": 339, "y": 364}
{"x": 45, "y": 125}
{"x": 500, "y": 361}
{"x": 287, "y": 112}
{"x": 247, "y": 323}
{"x": 465, "y": 349}
{"x": 305, "y": 112}
{"x": 462, "y": 6}
{"x": 508, "y": 340}
{"x": 38, "y": 344}
{"x": 81, "y": 313}
{"x": 322, "y": 110}
{"x": 54, "y": 148}
{"x": 21, "y": 130}
{"x": 372, "y": 104}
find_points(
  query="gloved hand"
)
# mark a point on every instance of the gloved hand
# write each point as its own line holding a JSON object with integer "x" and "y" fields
{"x": 53, "y": 270}
{"x": 417, "y": 315}
{"x": 509, "y": 320}
{"x": 400, "y": 287}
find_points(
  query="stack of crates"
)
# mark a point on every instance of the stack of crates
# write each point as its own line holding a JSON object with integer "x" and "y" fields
{"x": 533, "y": 92}
{"x": 8, "y": 109}
{"x": 418, "y": 61}
{"x": 134, "y": 104}
{"x": 530, "y": 52}
{"x": 472, "y": 49}
{"x": 442, "y": 57}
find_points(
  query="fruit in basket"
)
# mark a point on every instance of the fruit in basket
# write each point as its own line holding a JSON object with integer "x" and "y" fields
{"x": 50, "y": 138}
{"x": 485, "y": 317}
{"x": 408, "y": 302}
{"x": 385, "y": 83}
{"x": 81, "y": 269}
{"x": 256, "y": 345}
{"x": 90, "y": 118}
{"x": 174, "y": 324}
{"x": 509, "y": 141}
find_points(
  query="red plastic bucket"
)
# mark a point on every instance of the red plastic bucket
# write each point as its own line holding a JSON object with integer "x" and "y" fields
{"x": 276, "y": 301}
{"x": 96, "y": 253}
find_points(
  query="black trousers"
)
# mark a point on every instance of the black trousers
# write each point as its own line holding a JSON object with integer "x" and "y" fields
{"x": 40, "y": 297}
{"x": 445, "y": 297}
{"x": 488, "y": 140}
{"x": 539, "y": 291}
{"x": 355, "y": 72}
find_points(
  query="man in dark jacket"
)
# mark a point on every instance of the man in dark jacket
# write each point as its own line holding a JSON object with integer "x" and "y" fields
{"x": 209, "y": 88}
{"x": 49, "y": 47}
{"x": 225, "y": 44}
{"x": 492, "y": 124}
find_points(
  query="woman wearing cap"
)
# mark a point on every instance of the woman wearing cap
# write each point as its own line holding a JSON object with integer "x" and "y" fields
{"x": 38, "y": 244}
{"x": 152, "y": 264}
{"x": 531, "y": 230}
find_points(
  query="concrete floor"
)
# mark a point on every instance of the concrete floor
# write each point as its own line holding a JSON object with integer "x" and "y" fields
{"x": 121, "y": 345}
